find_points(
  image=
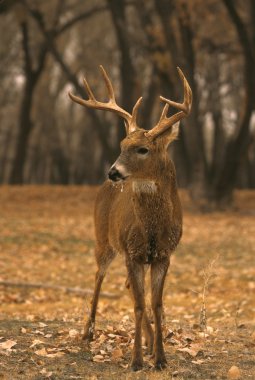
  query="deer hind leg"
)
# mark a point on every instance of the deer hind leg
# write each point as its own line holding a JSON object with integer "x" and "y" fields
{"x": 148, "y": 333}
{"x": 136, "y": 281}
{"x": 104, "y": 258}
{"x": 147, "y": 329}
{"x": 158, "y": 275}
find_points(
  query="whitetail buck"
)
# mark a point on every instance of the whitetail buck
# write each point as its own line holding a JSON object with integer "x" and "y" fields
{"x": 138, "y": 213}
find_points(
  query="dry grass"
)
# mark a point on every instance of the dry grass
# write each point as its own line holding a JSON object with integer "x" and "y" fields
{"x": 47, "y": 236}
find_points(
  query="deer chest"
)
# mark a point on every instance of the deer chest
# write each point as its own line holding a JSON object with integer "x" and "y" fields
{"x": 152, "y": 245}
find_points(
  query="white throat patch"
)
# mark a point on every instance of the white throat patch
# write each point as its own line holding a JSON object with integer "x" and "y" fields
{"x": 148, "y": 187}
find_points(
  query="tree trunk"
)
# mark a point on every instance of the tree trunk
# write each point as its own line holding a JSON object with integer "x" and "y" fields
{"x": 25, "y": 128}
{"x": 237, "y": 146}
{"x": 25, "y": 123}
{"x": 127, "y": 71}
{"x": 193, "y": 133}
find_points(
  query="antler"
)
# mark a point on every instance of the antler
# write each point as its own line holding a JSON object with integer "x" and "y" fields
{"x": 111, "y": 105}
{"x": 185, "y": 107}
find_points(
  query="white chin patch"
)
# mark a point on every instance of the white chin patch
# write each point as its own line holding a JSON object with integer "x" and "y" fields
{"x": 148, "y": 187}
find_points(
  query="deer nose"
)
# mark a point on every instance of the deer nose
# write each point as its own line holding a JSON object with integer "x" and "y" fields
{"x": 114, "y": 174}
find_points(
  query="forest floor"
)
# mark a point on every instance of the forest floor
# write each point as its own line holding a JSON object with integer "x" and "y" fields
{"x": 47, "y": 238}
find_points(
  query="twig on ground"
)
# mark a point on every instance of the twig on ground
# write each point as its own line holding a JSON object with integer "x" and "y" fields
{"x": 208, "y": 273}
{"x": 76, "y": 290}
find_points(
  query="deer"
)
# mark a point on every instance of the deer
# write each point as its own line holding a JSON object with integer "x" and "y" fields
{"x": 138, "y": 214}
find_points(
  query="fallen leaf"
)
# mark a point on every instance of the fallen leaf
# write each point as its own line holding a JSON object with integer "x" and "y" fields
{"x": 234, "y": 373}
{"x": 36, "y": 342}
{"x": 170, "y": 334}
{"x": 74, "y": 349}
{"x": 192, "y": 351}
{"x": 112, "y": 335}
{"x": 124, "y": 365}
{"x": 98, "y": 358}
{"x": 41, "y": 324}
{"x": 188, "y": 338}
{"x": 117, "y": 353}
{"x": 102, "y": 338}
{"x": 8, "y": 344}
{"x": 73, "y": 333}
{"x": 38, "y": 332}
{"x": 209, "y": 329}
{"x": 46, "y": 373}
{"x": 122, "y": 332}
{"x": 198, "y": 361}
{"x": 41, "y": 352}
{"x": 58, "y": 354}
{"x": 203, "y": 334}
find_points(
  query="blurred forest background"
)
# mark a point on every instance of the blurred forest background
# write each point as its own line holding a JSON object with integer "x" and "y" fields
{"x": 48, "y": 46}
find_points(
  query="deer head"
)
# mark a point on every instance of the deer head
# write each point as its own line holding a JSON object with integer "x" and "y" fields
{"x": 141, "y": 150}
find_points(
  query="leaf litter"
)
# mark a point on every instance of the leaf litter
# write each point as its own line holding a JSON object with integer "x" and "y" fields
{"x": 46, "y": 325}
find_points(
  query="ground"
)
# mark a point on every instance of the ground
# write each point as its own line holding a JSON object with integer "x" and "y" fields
{"x": 47, "y": 239}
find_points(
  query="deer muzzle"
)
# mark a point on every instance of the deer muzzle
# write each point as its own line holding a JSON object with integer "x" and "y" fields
{"x": 117, "y": 173}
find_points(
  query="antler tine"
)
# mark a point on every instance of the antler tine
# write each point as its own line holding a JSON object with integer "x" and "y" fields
{"x": 91, "y": 102}
{"x": 166, "y": 122}
{"x": 133, "y": 124}
{"x": 187, "y": 101}
{"x": 88, "y": 90}
{"x": 111, "y": 105}
{"x": 108, "y": 84}
{"x": 164, "y": 113}
{"x": 83, "y": 102}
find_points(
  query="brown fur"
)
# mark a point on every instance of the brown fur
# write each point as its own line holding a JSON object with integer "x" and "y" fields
{"x": 140, "y": 218}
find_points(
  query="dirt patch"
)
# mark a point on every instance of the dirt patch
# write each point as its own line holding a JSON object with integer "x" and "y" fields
{"x": 47, "y": 237}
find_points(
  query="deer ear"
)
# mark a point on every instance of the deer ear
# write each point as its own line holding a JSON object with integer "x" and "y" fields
{"x": 175, "y": 131}
{"x": 170, "y": 135}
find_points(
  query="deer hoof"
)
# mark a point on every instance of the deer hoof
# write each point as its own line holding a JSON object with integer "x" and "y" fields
{"x": 89, "y": 331}
{"x": 87, "y": 338}
{"x": 160, "y": 364}
{"x": 136, "y": 366}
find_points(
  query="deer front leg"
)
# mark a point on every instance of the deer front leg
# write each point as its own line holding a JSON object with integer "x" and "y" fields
{"x": 136, "y": 278}
{"x": 90, "y": 324}
{"x": 103, "y": 261}
{"x": 158, "y": 275}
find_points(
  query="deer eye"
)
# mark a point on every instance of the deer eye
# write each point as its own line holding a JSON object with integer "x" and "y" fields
{"x": 142, "y": 150}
